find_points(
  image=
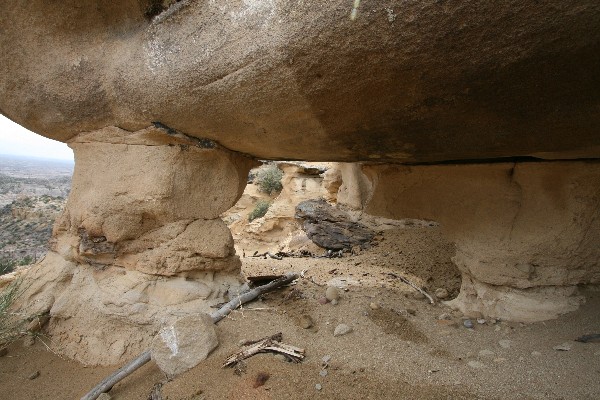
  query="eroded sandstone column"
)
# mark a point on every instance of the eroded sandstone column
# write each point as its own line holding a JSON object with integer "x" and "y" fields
{"x": 140, "y": 240}
{"x": 526, "y": 233}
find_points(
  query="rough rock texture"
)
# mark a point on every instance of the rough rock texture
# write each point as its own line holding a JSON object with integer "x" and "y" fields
{"x": 182, "y": 345}
{"x": 403, "y": 81}
{"x": 331, "y": 228}
{"x": 278, "y": 228}
{"x": 140, "y": 241}
{"x": 526, "y": 233}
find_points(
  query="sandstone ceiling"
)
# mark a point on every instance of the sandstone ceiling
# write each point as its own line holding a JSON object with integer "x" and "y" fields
{"x": 405, "y": 81}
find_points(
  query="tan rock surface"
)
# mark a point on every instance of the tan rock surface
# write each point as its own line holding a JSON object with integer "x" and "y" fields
{"x": 403, "y": 81}
{"x": 522, "y": 230}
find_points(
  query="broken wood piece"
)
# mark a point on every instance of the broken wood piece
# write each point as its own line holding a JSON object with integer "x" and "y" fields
{"x": 270, "y": 344}
{"x": 409, "y": 283}
{"x": 218, "y": 315}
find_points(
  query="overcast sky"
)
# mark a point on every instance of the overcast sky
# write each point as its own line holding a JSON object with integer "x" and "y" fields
{"x": 16, "y": 140}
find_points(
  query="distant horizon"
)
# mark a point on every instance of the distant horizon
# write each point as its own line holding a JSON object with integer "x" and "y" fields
{"x": 17, "y": 141}
{"x": 65, "y": 160}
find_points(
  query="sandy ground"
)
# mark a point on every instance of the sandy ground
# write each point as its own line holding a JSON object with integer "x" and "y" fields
{"x": 398, "y": 348}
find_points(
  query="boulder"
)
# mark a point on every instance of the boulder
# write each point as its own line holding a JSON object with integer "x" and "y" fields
{"x": 331, "y": 228}
{"x": 182, "y": 345}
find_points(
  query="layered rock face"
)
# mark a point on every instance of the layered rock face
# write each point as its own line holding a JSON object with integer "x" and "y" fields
{"x": 404, "y": 81}
{"x": 526, "y": 233}
{"x": 140, "y": 241}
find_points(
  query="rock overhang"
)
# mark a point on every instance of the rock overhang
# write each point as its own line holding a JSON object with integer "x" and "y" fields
{"x": 406, "y": 82}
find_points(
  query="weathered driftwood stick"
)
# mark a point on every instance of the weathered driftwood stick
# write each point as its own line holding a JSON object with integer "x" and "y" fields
{"x": 218, "y": 315}
{"x": 251, "y": 295}
{"x": 116, "y": 377}
{"x": 418, "y": 289}
{"x": 269, "y": 344}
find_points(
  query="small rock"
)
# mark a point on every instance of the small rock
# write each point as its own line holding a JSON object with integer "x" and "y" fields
{"x": 281, "y": 357}
{"x": 536, "y": 353}
{"x": 28, "y": 341}
{"x": 332, "y": 293}
{"x": 326, "y": 359}
{"x": 467, "y": 323}
{"x": 323, "y": 373}
{"x": 475, "y": 364}
{"x": 318, "y": 386}
{"x": 305, "y": 321}
{"x": 342, "y": 329}
{"x": 334, "y": 302}
{"x": 445, "y": 316}
{"x": 323, "y": 300}
{"x": 418, "y": 296}
{"x": 498, "y": 328}
{"x": 402, "y": 313}
{"x": 441, "y": 293}
{"x": 481, "y": 321}
{"x": 374, "y": 306}
{"x": 566, "y": 346}
{"x": 34, "y": 375}
{"x": 105, "y": 396}
{"x": 505, "y": 344}
{"x": 486, "y": 353}
{"x": 3, "y": 351}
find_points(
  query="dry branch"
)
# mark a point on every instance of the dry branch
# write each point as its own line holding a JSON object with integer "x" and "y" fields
{"x": 218, "y": 315}
{"x": 409, "y": 283}
{"x": 270, "y": 344}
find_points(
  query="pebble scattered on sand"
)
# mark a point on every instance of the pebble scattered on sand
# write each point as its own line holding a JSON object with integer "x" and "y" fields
{"x": 105, "y": 396}
{"x": 475, "y": 364}
{"x": 332, "y": 293}
{"x": 467, "y": 323}
{"x": 374, "y": 306}
{"x": 342, "y": 329}
{"x": 318, "y": 386}
{"x": 323, "y": 373}
{"x": 34, "y": 375}
{"x": 445, "y": 316}
{"x": 566, "y": 346}
{"x": 441, "y": 293}
{"x": 486, "y": 353}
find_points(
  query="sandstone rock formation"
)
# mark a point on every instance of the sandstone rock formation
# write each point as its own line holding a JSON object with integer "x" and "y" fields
{"x": 140, "y": 241}
{"x": 526, "y": 233}
{"x": 281, "y": 79}
{"x": 141, "y": 88}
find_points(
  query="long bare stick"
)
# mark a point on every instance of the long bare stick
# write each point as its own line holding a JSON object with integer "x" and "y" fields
{"x": 412, "y": 285}
{"x": 218, "y": 315}
{"x": 116, "y": 377}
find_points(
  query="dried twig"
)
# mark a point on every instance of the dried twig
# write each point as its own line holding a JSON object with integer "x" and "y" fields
{"x": 270, "y": 344}
{"x": 409, "y": 283}
{"x": 218, "y": 315}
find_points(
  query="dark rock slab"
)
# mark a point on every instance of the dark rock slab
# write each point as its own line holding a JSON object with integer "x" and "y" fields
{"x": 331, "y": 228}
